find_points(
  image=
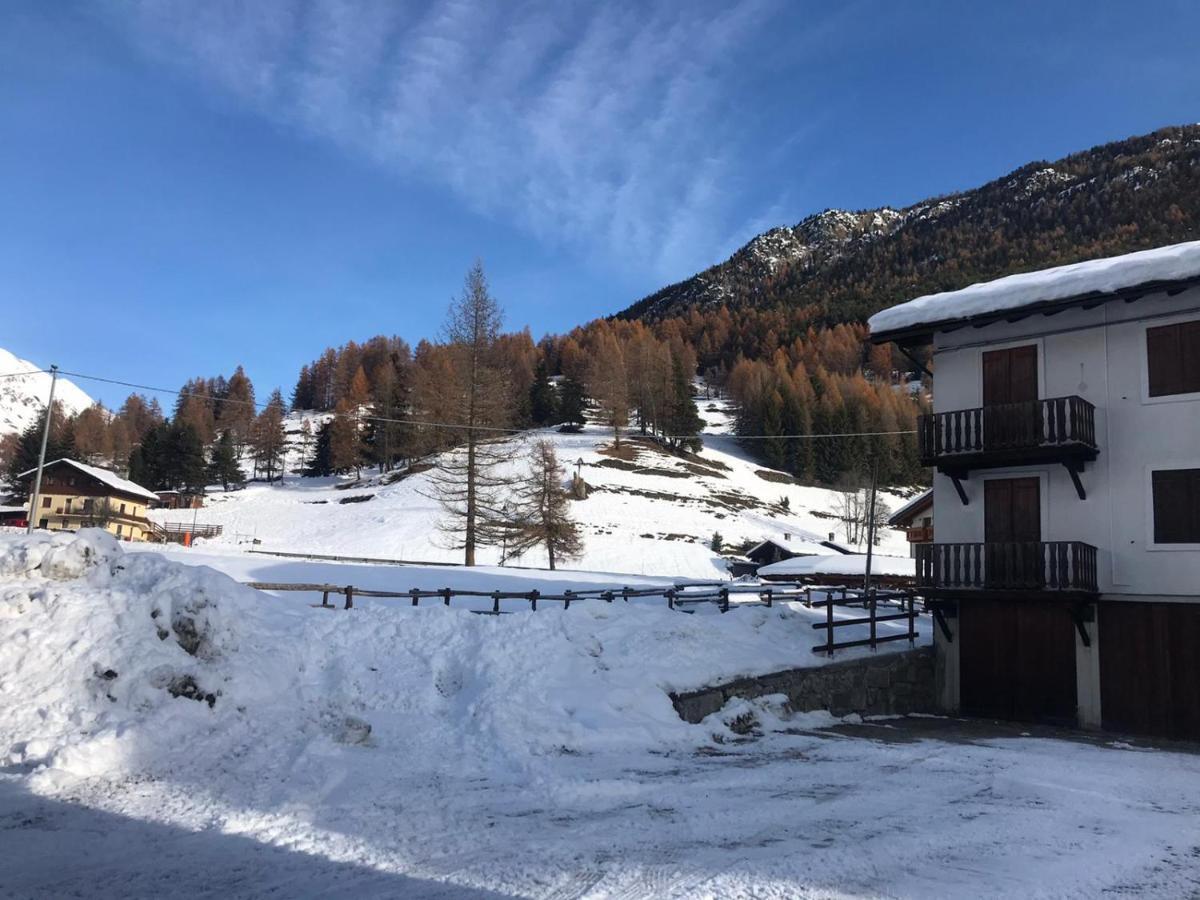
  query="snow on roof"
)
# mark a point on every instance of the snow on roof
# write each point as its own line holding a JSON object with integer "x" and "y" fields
{"x": 1130, "y": 270}
{"x": 803, "y": 544}
{"x": 842, "y": 564}
{"x": 926, "y": 496}
{"x": 112, "y": 479}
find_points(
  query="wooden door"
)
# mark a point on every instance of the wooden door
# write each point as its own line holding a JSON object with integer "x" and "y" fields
{"x": 1011, "y": 415}
{"x": 1012, "y": 534}
{"x": 1017, "y": 660}
{"x": 1150, "y": 668}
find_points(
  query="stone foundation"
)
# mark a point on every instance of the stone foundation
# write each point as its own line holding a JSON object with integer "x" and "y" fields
{"x": 879, "y": 685}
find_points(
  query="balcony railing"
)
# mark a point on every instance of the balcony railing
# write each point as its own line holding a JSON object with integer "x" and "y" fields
{"x": 1016, "y": 567}
{"x": 919, "y": 534}
{"x": 1009, "y": 433}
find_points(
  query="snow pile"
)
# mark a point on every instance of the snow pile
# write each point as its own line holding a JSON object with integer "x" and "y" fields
{"x": 841, "y": 564}
{"x": 119, "y": 664}
{"x": 1114, "y": 273}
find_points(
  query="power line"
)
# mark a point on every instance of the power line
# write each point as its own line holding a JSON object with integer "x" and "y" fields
{"x": 31, "y": 372}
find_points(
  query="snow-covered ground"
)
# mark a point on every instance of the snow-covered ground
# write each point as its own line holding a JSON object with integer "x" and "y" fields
{"x": 652, "y": 514}
{"x": 167, "y": 731}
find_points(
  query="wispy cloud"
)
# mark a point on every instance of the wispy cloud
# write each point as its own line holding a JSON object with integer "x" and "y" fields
{"x": 604, "y": 128}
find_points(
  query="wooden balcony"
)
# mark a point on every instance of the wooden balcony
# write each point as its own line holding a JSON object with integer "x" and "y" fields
{"x": 1017, "y": 570}
{"x": 919, "y": 534}
{"x": 1060, "y": 429}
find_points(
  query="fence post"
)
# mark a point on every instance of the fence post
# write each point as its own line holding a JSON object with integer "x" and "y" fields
{"x": 349, "y": 596}
{"x": 416, "y": 600}
{"x": 808, "y": 597}
{"x": 724, "y": 592}
{"x": 670, "y": 598}
{"x": 496, "y": 602}
{"x": 446, "y": 596}
{"x": 325, "y": 598}
{"x": 608, "y": 596}
{"x": 829, "y": 625}
{"x": 625, "y": 594}
{"x": 533, "y": 598}
{"x": 769, "y": 602}
{"x": 912, "y": 620}
{"x": 566, "y": 599}
{"x": 871, "y": 601}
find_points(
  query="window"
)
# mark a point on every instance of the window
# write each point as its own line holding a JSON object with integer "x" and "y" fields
{"x": 1173, "y": 359}
{"x": 46, "y": 502}
{"x": 1176, "y": 506}
{"x": 122, "y": 509}
{"x": 120, "y": 528}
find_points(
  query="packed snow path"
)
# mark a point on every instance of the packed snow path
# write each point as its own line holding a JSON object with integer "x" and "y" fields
{"x": 892, "y": 810}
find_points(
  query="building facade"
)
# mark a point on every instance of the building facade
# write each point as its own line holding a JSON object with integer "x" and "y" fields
{"x": 915, "y": 519}
{"x": 1065, "y": 437}
{"x": 75, "y": 495}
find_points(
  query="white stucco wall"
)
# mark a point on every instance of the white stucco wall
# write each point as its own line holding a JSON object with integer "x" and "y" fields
{"x": 1100, "y": 355}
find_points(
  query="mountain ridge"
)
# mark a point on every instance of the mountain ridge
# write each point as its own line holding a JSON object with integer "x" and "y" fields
{"x": 1113, "y": 198}
{"x": 23, "y": 392}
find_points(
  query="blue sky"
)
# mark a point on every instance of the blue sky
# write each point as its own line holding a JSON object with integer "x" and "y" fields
{"x": 188, "y": 186}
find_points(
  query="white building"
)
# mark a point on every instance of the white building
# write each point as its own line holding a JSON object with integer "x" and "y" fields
{"x": 1065, "y": 571}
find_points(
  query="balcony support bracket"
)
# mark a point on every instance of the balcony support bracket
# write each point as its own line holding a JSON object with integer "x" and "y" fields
{"x": 1074, "y": 467}
{"x": 916, "y": 362}
{"x": 939, "y": 616}
{"x": 1082, "y": 614}
{"x": 958, "y": 476}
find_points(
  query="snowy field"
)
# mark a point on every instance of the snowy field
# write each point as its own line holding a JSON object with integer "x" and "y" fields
{"x": 651, "y": 514}
{"x": 167, "y": 731}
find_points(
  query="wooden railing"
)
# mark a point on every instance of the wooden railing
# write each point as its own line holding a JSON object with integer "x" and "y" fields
{"x": 919, "y": 534}
{"x": 1058, "y": 421}
{"x": 1014, "y": 566}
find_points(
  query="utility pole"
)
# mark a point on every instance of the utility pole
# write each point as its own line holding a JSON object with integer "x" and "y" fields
{"x": 37, "y": 479}
{"x": 871, "y": 524}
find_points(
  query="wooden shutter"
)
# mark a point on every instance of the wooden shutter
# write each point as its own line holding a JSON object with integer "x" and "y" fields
{"x": 1173, "y": 359}
{"x": 1010, "y": 376}
{"x": 1176, "y": 506}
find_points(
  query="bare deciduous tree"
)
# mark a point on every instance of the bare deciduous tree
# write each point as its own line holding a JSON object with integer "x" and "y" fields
{"x": 473, "y": 397}
{"x": 541, "y": 515}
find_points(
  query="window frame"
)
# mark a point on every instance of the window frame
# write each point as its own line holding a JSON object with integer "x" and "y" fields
{"x": 1144, "y": 354}
{"x": 1151, "y": 543}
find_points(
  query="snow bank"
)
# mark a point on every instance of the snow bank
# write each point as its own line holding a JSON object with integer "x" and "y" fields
{"x": 115, "y": 663}
{"x": 1114, "y": 273}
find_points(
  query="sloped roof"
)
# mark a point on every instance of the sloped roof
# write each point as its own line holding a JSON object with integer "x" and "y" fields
{"x": 925, "y": 498}
{"x": 112, "y": 479}
{"x": 1100, "y": 279}
{"x": 803, "y": 544}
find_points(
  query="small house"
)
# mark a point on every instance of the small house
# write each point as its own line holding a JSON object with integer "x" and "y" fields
{"x": 791, "y": 544}
{"x": 180, "y": 500}
{"x": 915, "y": 519}
{"x": 843, "y": 569}
{"x": 75, "y": 495}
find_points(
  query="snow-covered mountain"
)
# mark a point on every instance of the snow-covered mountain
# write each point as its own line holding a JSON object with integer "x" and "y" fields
{"x": 22, "y": 396}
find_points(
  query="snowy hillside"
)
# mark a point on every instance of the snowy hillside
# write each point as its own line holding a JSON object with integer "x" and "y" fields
{"x": 648, "y": 512}
{"x": 22, "y": 397}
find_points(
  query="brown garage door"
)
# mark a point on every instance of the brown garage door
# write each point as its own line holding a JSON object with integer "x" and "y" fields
{"x": 1150, "y": 668}
{"x": 1017, "y": 660}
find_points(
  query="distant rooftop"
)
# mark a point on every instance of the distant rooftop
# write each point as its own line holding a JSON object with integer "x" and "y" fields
{"x": 1164, "y": 268}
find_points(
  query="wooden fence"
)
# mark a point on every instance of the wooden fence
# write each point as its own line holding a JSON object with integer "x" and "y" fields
{"x": 679, "y": 596}
{"x": 904, "y": 601}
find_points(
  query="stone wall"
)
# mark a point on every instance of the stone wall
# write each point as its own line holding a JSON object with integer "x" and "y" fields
{"x": 877, "y": 685}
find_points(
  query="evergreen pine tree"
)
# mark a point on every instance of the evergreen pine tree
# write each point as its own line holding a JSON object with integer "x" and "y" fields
{"x": 543, "y": 400}
{"x": 224, "y": 467}
{"x": 683, "y": 422}
{"x": 572, "y": 402}
{"x": 321, "y": 464}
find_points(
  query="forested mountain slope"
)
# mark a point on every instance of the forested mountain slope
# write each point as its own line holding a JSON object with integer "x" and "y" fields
{"x": 1127, "y": 195}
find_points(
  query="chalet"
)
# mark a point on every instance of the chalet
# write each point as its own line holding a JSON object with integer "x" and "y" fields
{"x": 1065, "y": 439}
{"x": 915, "y": 519}
{"x": 75, "y": 495}
{"x": 179, "y": 500}
{"x": 790, "y": 544}
{"x": 14, "y": 516}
